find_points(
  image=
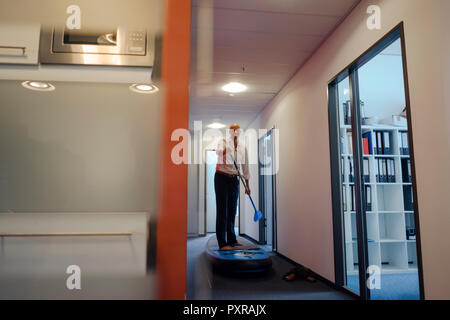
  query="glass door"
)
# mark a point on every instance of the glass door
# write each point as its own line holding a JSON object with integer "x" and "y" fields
{"x": 375, "y": 218}
{"x": 267, "y": 198}
{"x": 388, "y": 177}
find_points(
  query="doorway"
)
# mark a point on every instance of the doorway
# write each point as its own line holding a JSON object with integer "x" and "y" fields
{"x": 267, "y": 190}
{"x": 375, "y": 212}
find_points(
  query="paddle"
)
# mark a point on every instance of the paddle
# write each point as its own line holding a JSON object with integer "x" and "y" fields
{"x": 258, "y": 214}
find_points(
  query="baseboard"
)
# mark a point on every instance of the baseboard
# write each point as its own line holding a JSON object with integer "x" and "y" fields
{"x": 319, "y": 277}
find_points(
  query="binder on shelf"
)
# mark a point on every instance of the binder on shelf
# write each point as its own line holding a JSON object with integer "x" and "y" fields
{"x": 406, "y": 170}
{"x": 390, "y": 170}
{"x": 386, "y": 142}
{"x": 344, "y": 197}
{"x": 366, "y": 170}
{"x": 368, "y": 198}
{"x": 382, "y": 170}
{"x": 368, "y": 136}
{"x": 410, "y": 228}
{"x": 410, "y": 234}
{"x": 379, "y": 142}
{"x": 408, "y": 198}
{"x": 351, "y": 174}
{"x": 403, "y": 143}
{"x": 342, "y": 170}
{"x": 349, "y": 143}
{"x": 366, "y": 146}
{"x": 377, "y": 171}
{"x": 352, "y": 188}
{"x": 409, "y": 170}
{"x": 384, "y": 166}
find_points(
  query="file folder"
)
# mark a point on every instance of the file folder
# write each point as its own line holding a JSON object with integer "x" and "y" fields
{"x": 352, "y": 188}
{"x": 379, "y": 142}
{"x": 408, "y": 198}
{"x": 390, "y": 170}
{"x": 351, "y": 176}
{"x": 386, "y": 142}
{"x": 377, "y": 170}
{"x": 366, "y": 170}
{"x": 366, "y": 146}
{"x": 382, "y": 169}
{"x": 344, "y": 197}
{"x": 349, "y": 143}
{"x": 368, "y": 198}
{"x": 368, "y": 136}
{"x": 409, "y": 171}
{"x": 405, "y": 146}
{"x": 404, "y": 170}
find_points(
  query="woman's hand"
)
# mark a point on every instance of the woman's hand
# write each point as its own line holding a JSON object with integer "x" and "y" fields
{"x": 247, "y": 190}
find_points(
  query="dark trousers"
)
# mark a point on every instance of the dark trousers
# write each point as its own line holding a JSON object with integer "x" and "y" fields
{"x": 227, "y": 193}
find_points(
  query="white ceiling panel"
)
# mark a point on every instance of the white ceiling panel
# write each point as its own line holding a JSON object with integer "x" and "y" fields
{"x": 263, "y": 40}
{"x": 242, "y": 56}
{"x": 272, "y": 22}
{"x": 253, "y": 67}
{"x": 260, "y": 43}
{"x": 312, "y": 7}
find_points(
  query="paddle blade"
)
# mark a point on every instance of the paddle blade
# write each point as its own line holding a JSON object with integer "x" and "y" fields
{"x": 258, "y": 216}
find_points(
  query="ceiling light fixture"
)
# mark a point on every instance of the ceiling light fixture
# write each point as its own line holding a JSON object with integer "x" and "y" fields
{"x": 234, "y": 87}
{"x": 144, "y": 88}
{"x": 216, "y": 125}
{"x": 38, "y": 86}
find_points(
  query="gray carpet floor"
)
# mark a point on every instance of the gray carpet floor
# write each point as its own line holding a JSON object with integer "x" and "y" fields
{"x": 205, "y": 284}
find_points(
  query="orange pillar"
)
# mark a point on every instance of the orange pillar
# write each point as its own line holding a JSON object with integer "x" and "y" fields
{"x": 172, "y": 207}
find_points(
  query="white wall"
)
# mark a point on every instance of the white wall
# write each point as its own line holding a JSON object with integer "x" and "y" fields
{"x": 300, "y": 111}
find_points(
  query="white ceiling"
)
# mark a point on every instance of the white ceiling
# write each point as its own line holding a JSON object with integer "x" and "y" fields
{"x": 270, "y": 38}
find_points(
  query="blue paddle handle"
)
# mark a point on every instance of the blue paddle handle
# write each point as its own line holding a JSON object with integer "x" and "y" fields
{"x": 243, "y": 182}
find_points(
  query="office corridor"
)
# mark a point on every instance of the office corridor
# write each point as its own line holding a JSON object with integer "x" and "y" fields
{"x": 203, "y": 283}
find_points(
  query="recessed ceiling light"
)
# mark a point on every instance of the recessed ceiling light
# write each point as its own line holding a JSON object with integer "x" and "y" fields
{"x": 234, "y": 87}
{"x": 144, "y": 88}
{"x": 38, "y": 86}
{"x": 216, "y": 125}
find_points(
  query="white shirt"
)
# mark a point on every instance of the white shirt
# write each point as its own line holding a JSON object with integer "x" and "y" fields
{"x": 226, "y": 164}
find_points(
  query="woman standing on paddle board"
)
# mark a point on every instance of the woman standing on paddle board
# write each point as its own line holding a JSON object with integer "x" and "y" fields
{"x": 226, "y": 186}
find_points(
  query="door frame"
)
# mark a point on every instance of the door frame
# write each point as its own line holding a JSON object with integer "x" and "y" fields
{"x": 262, "y": 223}
{"x": 335, "y": 165}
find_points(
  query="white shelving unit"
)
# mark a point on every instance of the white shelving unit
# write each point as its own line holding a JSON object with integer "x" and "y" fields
{"x": 388, "y": 246}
